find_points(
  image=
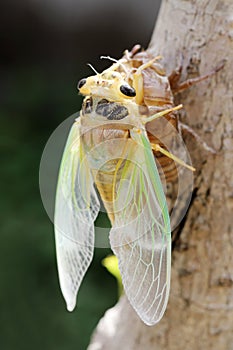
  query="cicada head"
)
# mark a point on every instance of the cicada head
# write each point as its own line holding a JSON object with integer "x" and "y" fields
{"x": 109, "y": 84}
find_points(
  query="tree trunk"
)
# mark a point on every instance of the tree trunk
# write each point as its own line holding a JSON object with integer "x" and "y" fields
{"x": 200, "y": 308}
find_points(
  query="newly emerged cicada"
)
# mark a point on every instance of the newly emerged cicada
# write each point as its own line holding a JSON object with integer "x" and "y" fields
{"x": 110, "y": 148}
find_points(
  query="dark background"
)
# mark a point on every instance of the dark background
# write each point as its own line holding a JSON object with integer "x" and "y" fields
{"x": 45, "y": 46}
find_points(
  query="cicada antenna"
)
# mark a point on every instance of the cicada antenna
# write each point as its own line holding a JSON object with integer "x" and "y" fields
{"x": 117, "y": 63}
{"x": 90, "y": 65}
{"x": 108, "y": 58}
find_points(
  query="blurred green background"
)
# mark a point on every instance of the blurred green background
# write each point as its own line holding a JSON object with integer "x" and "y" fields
{"x": 45, "y": 45}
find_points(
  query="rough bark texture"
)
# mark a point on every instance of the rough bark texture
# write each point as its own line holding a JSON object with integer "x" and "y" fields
{"x": 200, "y": 309}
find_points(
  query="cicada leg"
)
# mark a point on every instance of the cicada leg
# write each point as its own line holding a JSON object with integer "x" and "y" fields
{"x": 160, "y": 149}
{"x": 174, "y": 78}
{"x": 146, "y": 120}
{"x": 129, "y": 54}
{"x": 138, "y": 80}
{"x": 185, "y": 129}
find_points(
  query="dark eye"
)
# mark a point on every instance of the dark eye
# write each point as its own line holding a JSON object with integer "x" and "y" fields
{"x": 87, "y": 106}
{"x": 81, "y": 83}
{"x": 127, "y": 90}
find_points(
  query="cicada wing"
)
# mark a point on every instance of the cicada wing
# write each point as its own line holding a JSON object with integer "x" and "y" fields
{"x": 141, "y": 234}
{"x": 76, "y": 208}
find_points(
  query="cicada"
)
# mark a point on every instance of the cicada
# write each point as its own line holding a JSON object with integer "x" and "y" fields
{"x": 110, "y": 149}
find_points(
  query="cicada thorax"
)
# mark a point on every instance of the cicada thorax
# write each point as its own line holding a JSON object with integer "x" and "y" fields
{"x": 157, "y": 96}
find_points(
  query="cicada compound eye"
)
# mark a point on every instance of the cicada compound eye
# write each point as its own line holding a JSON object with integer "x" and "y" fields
{"x": 81, "y": 83}
{"x": 127, "y": 90}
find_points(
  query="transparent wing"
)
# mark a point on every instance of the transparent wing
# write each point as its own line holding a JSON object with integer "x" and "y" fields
{"x": 75, "y": 211}
{"x": 141, "y": 234}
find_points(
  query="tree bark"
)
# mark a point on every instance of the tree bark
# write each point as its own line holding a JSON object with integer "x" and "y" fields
{"x": 200, "y": 309}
